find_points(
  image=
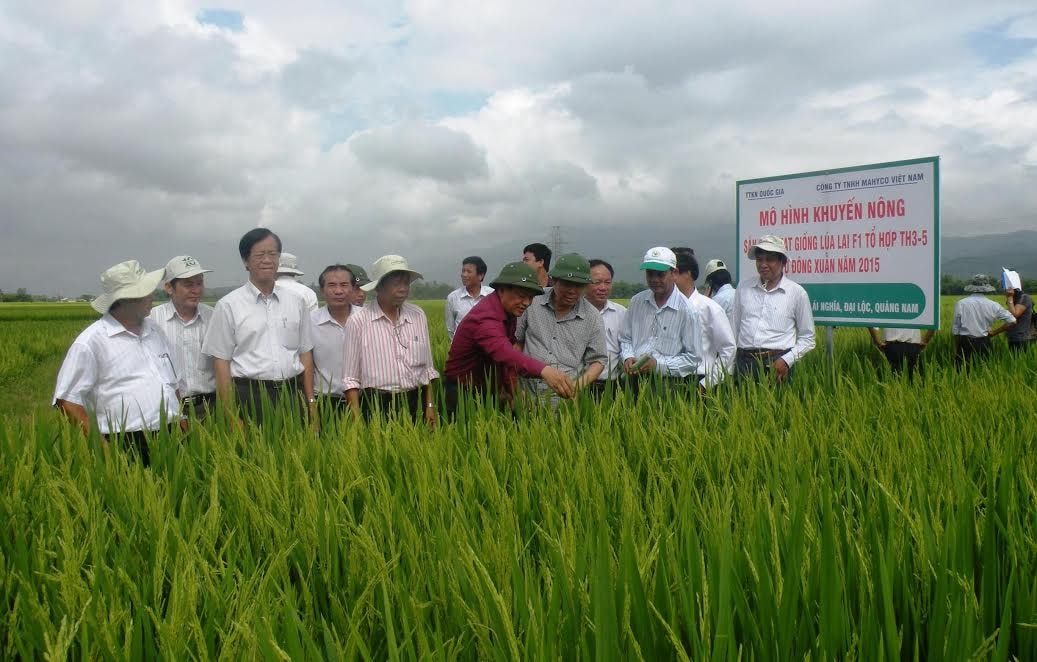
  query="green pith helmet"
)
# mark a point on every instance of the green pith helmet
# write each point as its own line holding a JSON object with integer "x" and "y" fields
{"x": 572, "y": 268}
{"x": 518, "y": 274}
{"x": 359, "y": 275}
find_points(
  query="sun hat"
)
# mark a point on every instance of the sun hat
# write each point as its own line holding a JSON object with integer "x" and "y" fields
{"x": 183, "y": 266}
{"x": 126, "y": 280}
{"x": 359, "y": 275}
{"x": 980, "y": 285}
{"x": 288, "y": 264}
{"x": 771, "y": 244}
{"x": 518, "y": 274}
{"x": 659, "y": 258}
{"x": 384, "y": 266}
{"x": 572, "y": 268}
{"x": 712, "y": 267}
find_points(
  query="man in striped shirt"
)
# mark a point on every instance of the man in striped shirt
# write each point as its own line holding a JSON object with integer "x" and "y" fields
{"x": 388, "y": 356}
{"x": 772, "y": 320}
{"x": 659, "y": 331}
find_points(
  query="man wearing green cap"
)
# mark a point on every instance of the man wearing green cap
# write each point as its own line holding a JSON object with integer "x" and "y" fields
{"x": 359, "y": 279}
{"x": 483, "y": 359}
{"x": 562, "y": 329}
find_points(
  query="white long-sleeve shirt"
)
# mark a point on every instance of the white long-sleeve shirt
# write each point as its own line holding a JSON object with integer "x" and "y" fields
{"x": 774, "y": 319}
{"x": 716, "y": 341}
{"x": 666, "y": 333}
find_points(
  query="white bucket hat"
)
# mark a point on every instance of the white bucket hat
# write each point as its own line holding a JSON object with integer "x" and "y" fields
{"x": 712, "y": 267}
{"x": 771, "y": 244}
{"x": 384, "y": 266}
{"x": 126, "y": 280}
{"x": 659, "y": 258}
{"x": 183, "y": 266}
{"x": 288, "y": 264}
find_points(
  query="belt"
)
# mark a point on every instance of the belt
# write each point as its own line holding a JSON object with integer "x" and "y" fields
{"x": 268, "y": 383}
{"x": 198, "y": 397}
{"x": 760, "y": 353}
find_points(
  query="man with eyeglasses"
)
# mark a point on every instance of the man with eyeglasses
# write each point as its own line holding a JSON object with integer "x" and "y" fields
{"x": 388, "y": 357}
{"x": 121, "y": 368}
{"x": 597, "y": 294}
{"x": 184, "y": 320}
{"x": 260, "y": 337}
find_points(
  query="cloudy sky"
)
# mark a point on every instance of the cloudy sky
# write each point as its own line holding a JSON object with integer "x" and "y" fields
{"x": 149, "y": 128}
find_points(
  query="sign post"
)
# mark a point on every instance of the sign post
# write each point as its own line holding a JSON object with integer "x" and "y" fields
{"x": 863, "y": 241}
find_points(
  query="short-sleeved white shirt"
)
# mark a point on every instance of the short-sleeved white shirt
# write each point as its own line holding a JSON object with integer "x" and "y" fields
{"x": 262, "y": 336}
{"x": 329, "y": 348}
{"x": 128, "y": 381}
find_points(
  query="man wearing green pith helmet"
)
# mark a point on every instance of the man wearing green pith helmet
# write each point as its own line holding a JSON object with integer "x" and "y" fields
{"x": 483, "y": 360}
{"x": 562, "y": 329}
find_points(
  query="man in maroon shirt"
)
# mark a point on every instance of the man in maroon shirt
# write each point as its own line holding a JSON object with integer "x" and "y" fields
{"x": 483, "y": 359}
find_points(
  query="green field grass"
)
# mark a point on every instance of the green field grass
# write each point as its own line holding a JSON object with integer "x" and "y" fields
{"x": 854, "y": 515}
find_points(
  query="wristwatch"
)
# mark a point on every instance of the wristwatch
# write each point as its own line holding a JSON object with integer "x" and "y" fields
{"x": 429, "y": 405}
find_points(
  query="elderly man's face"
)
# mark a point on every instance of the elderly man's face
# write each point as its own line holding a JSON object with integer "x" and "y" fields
{"x": 769, "y": 266}
{"x": 660, "y": 282}
{"x": 567, "y": 293}
{"x": 394, "y": 288}
{"x": 600, "y": 289}
{"x": 262, "y": 260}
{"x": 338, "y": 288}
{"x": 514, "y": 300}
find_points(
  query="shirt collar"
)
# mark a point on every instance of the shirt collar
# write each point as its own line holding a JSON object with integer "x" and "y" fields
{"x": 576, "y": 311}
{"x": 780, "y": 286}
{"x": 257, "y": 295}
{"x": 114, "y": 327}
{"x": 674, "y": 302}
{"x": 378, "y": 313}
{"x": 484, "y": 290}
{"x": 173, "y": 315}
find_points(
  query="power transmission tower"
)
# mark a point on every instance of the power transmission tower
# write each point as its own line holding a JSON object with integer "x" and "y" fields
{"x": 557, "y": 240}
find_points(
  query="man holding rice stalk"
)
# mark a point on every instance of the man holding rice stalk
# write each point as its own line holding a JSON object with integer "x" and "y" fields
{"x": 973, "y": 318}
{"x": 563, "y": 330}
{"x": 121, "y": 368}
{"x": 658, "y": 337}
{"x": 388, "y": 356}
{"x": 483, "y": 360}
{"x": 772, "y": 319}
{"x": 261, "y": 338}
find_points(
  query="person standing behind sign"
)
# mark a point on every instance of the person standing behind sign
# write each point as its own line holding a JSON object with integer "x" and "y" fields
{"x": 772, "y": 320}
{"x": 902, "y": 347}
{"x": 973, "y": 317}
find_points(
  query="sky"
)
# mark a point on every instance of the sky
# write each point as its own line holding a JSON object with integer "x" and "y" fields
{"x": 151, "y": 128}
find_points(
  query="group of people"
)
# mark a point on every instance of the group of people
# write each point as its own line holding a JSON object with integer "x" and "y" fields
{"x": 538, "y": 333}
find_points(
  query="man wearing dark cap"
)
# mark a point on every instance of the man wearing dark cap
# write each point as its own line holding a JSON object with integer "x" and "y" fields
{"x": 483, "y": 359}
{"x": 359, "y": 279}
{"x": 719, "y": 287}
{"x": 562, "y": 329}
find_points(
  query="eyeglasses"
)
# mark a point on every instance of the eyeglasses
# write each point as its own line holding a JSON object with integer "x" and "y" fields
{"x": 273, "y": 255}
{"x": 398, "y": 330}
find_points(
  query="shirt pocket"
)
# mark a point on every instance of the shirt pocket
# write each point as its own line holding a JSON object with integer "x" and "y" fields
{"x": 166, "y": 371}
{"x": 290, "y": 335}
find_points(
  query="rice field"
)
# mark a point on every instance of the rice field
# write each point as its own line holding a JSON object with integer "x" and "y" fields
{"x": 854, "y": 515}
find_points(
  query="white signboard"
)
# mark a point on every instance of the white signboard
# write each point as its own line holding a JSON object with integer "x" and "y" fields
{"x": 863, "y": 241}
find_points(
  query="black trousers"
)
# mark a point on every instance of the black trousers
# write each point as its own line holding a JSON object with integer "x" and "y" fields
{"x": 901, "y": 354}
{"x": 200, "y": 405}
{"x": 382, "y": 403}
{"x": 969, "y": 348}
{"x": 754, "y": 363}
{"x": 135, "y": 442}
{"x": 1019, "y": 345}
{"x": 252, "y": 394}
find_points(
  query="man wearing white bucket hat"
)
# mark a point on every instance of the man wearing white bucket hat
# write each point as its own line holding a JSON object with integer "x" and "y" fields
{"x": 184, "y": 320}
{"x": 772, "y": 320}
{"x": 388, "y": 359}
{"x": 287, "y": 270}
{"x": 260, "y": 336}
{"x": 121, "y": 368}
{"x": 973, "y": 318}
{"x": 659, "y": 331}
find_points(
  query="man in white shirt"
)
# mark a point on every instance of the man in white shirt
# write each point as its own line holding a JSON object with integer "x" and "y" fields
{"x": 260, "y": 336}
{"x": 660, "y": 327}
{"x": 716, "y": 342}
{"x": 121, "y": 368}
{"x": 973, "y": 318}
{"x": 612, "y": 314}
{"x": 329, "y": 332}
{"x": 287, "y": 271}
{"x": 471, "y": 292}
{"x": 772, "y": 320}
{"x": 902, "y": 347}
{"x": 184, "y": 320}
{"x": 718, "y": 286}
